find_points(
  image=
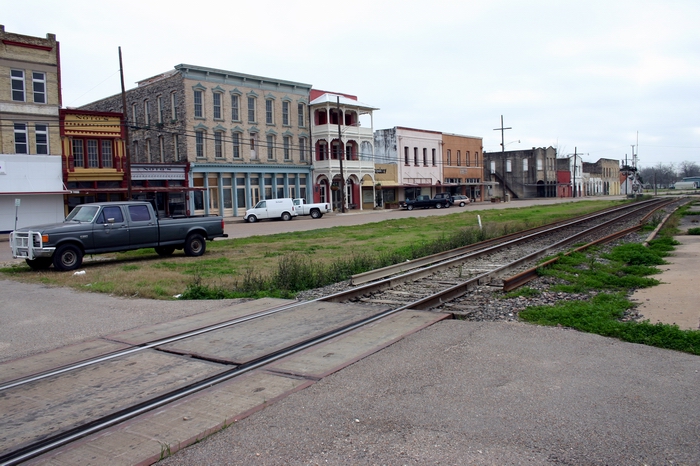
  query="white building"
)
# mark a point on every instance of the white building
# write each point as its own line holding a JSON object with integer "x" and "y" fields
{"x": 34, "y": 182}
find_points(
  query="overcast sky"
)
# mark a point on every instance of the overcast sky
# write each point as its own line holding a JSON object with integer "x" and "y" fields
{"x": 592, "y": 76}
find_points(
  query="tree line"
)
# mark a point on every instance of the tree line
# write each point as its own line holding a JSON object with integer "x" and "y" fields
{"x": 666, "y": 174}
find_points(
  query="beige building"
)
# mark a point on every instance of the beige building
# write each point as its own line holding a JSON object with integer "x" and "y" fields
{"x": 30, "y": 94}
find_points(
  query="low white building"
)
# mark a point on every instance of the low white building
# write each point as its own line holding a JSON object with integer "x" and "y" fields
{"x": 31, "y": 191}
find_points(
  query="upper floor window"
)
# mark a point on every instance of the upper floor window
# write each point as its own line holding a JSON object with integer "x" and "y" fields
{"x": 17, "y": 85}
{"x": 148, "y": 151}
{"x": 524, "y": 165}
{"x": 434, "y": 158}
{"x": 415, "y": 156}
{"x": 285, "y": 113}
{"x": 159, "y": 103}
{"x": 539, "y": 164}
{"x": 300, "y": 113}
{"x": 173, "y": 106}
{"x": 269, "y": 111}
{"x": 146, "y": 113}
{"x": 302, "y": 149}
{"x": 93, "y": 153}
{"x": 176, "y": 146}
{"x": 270, "y": 147}
{"x": 476, "y": 159}
{"x": 21, "y": 140}
{"x": 217, "y": 106}
{"x": 133, "y": 114}
{"x": 41, "y": 133}
{"x": 467, "y": 158}
{"x": 425, "y": 157}
{"x": 251, "y": 109}
{"x": 449, "y": 157}
{"x": 235, "y": 102}
{"x": 39, "y": 87}
{"x": 459, "y": 158}
{"x": 509, "y": 166}
{"x": 287, "y": 143}
{"x": 161, "y": 149}
{"x": 198, "y": 104}
{"x": 236, "y": 143}
{"x": 219, "y": 144}
{"x": 199, "y": 144}
{"x": 254, "y": 146}
{"x": 406, "y": 160}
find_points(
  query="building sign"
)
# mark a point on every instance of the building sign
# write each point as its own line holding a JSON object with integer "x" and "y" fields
{"x": 379, "y": 170}
{"x": 76, "y": 124}
{"x": 157, "y": 173}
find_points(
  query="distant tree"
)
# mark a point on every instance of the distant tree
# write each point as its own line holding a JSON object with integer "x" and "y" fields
{"x": 687, "y": 168}
{"x": 664, "y": 175}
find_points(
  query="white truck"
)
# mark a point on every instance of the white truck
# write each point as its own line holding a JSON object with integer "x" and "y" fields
{"x": 315, "y": 210}
{"x": 282, "y": 208}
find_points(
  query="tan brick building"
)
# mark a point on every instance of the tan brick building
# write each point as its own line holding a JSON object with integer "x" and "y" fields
{"x": 463, "y": 165}
{"x": 30, "y": 94}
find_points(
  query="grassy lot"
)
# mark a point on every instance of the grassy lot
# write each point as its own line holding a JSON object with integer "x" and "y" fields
{"x": 609, "y": 278}
{"x": 282, "y": 264}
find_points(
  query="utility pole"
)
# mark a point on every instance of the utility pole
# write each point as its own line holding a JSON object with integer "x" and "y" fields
{"x": 574, "y": 170}
{"x": 127, "y": 150}
{"x": 341, "y": 155}
{"x": 503, "y": 155}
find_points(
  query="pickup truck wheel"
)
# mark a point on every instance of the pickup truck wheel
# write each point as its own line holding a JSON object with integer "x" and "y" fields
{"x": 409, "y": 207}
{"x": 252, "y": 219}
{"x": 67, "y": 257}
{"x": 286, "y": 216}
{"x": 165, "y": 250}
{"x": 195, "y": 245}
{"x": 438, "y": 206}
{"x": 41, "y": 263}
{"x": 316, "y": 213}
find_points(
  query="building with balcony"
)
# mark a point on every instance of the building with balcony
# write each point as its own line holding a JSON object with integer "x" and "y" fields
{"x": 343, "y": 140}
{"x": 417, "y": 155}
{"x": 463, "y": 165}
{"x": 205, "y": 140}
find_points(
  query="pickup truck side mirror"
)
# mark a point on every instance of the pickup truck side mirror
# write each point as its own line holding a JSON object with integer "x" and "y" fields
{"x": 110, "y": 220}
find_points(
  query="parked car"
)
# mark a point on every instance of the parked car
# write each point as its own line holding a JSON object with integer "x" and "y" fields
{"x": 315, "y": 210}
{"x": 460, "y": 200}
{"x": 271, "y": 208}
{"x": 425, "y": 202}
{"x": 112, "y": 227}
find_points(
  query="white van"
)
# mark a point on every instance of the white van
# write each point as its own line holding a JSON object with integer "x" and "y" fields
{"x": 271, "y": 208}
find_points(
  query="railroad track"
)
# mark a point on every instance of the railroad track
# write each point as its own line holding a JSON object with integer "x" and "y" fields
{"x": 422, "y": 285}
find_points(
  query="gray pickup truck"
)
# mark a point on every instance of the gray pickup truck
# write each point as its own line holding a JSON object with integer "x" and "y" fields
{"x": 112, "y": 227}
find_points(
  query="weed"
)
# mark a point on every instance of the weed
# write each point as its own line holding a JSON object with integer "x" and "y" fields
{"x": 524, "y": 291}
{"x": 694, "y": 231}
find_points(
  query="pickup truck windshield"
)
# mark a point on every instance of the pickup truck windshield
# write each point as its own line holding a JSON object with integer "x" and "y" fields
{"x": 82, "y": 214}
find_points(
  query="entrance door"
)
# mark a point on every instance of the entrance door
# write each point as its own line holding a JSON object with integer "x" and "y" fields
{"x": 111, "y": 232}
{"x": 323, "y": 194}
{"x": 254, "y": 195}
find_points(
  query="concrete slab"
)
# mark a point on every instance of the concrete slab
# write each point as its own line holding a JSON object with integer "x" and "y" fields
{"x": 36, "y": 410}
{"x": 146, "y": 439}
{"x": 322, "y": 360}
{"x": 31, "y": 365}
{"x": 251, "y": 340}
{"x": 675, "y": 300}
{"x": 159, "y": 331}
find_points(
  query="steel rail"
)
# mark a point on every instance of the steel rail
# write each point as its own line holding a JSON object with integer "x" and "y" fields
{"x": 518, "y": 280}
{"x": 153, "y": 344}
{"x": 415, "y": 274}
{"x": 378, "y": 274}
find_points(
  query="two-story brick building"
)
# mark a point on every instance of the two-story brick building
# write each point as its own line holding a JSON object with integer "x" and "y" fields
{"x": 205, "y": 140}
{"x": 462, "y": 165}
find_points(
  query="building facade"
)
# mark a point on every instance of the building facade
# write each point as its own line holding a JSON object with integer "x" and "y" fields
{"x": 463, "y": 165}
{"x": 522, "y": 173}
{"x": 30, "y": 144}
{"x": 205, "y": 140}
{"x": 93, "y": 157}
{"x": 417, "y": 155}
{"x": 606, "y": 176}
{"x": 343, "y": 140}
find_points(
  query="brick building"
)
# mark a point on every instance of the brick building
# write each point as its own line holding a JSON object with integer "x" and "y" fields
{"x": 205, "y": 140}
{"x": 522, "y": 174}
{"x": 463, "y": 165}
